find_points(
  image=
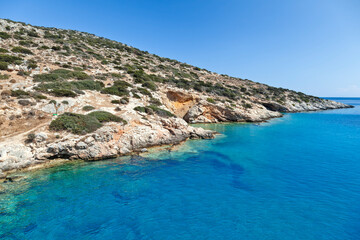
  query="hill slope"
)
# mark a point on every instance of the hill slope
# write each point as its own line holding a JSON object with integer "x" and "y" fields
{"x": 74, "y": 95}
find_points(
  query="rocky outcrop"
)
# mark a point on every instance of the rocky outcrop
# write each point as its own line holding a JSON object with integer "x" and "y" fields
{"x": 210, "y": 113}
{"x": 109, "y": 141}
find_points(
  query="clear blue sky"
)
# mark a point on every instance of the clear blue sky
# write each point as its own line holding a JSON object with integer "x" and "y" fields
{"x": 306, "y": 45}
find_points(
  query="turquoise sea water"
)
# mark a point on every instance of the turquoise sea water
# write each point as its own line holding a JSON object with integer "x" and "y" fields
{"x": 297, "y": 177}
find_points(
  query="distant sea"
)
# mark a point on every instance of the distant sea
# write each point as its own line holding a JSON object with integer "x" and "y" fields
{"x": 296, "y": 177}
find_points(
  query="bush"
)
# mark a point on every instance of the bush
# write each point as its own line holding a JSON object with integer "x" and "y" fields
{"x": 32, "y": 34}
{"x": 30, "y": 137}
{"x": 10, "y": 59}
{"x": 19, "y": 93}
{"x": 150, "y": 85}
{"x": 140, "y": 109}
{"x": 56, "y": 48}
{"x": 63, "y": 93}
{"x": 75, "y": 123}
{"x": 43, "y": 47}
{"x": 247, "y": 105}
{"x": 155, "y": 102}
{"x": 4, "y": 35}
{"x": 60, "y": 74}
{"x": 103, "y": 116}
{"x": 145, "y": 92}
{"x": 88, "y": 108}
{"x": 119, "y": 89}
{"x": 21, "y": 50}
{"x": 3, "y": 65}
{"x": 210, "y": 100}
{"x": 38, "y": 96}
{"x": 154, "y": 109}
{"x": 3, "y": 50}
{"x": 115, "y": 101}
{"x": 161, "y": 112}
{"x": 25, "y": 43}
{"x": 23, "y": 73}
{"x": 4, "y": 76}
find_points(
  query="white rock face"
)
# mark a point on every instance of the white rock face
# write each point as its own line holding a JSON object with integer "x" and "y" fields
{"x": 112, "y": 140}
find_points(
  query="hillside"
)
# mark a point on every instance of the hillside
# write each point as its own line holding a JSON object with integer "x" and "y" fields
{"x": 69, "y": 94}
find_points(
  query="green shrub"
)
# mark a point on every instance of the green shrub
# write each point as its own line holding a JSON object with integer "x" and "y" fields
{"x": 56, "y": 48}
{"x": 154, "y": 101}
{"x": 3, "y": 65}
{"x": 161, "y": 112}
{"x": 38, "y": 96}
{"x": 26, "y": 43}
{"x": 63, "y": 93}
{"x": 75, "y": 123}
{"x": 145, "y": 92}
{"x": 210, "y": 100}
{"x": 23, "y": 73}
{"x": 4, "y": 35}
{"x": 74, "y": 85}
{"x": 32, "y": 64}
{"x": 30, "y": 138}
{"x": 3, "y": 50}
{"x": 87, "y": 85}
{"x": 4, "y": 76}
{"x": 247, "y": 105}
{"x": 43, "y": 47}
{"x": 119, "y": 89}
{"x": 124, "y": 100}
{"x": 21, "y": 50}
{"x": 32, "y": 33}
{"x": 103, "y": 116}
{"x": 19, "y": 93}
{"x": 152, "y": 108}
{"x": 10, "y": 59}
{"x": 140, "y": 109}
{"x": 88, "y": 108}
{"x": 60, "y": 74}
{"x": 115, "y": 101}
{"x": 150, "y": 85}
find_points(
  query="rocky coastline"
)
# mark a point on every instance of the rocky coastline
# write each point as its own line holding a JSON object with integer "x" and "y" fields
{"x": 114, "y": 140}
{"x": 47, "y": 74}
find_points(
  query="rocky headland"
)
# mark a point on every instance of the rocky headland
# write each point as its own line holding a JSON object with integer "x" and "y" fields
{"x": 72, "y": 95}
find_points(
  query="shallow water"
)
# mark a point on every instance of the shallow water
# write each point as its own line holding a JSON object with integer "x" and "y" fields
{"x": 297, "y": 177}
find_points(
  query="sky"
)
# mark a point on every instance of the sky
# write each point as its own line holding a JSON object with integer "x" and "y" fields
{"x": 311, "y": 46}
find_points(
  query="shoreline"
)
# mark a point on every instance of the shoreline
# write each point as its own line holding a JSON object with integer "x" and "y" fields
{"x": 61, "y": 161}
{"x": 53, "y": 162}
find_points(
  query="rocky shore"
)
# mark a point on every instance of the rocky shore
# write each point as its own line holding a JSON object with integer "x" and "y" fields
{"x": 113, "y": 139}
{"x": 113, "y": 99}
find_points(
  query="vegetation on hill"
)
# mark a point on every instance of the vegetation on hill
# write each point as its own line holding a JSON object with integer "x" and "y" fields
{"x": 82, "y": 124}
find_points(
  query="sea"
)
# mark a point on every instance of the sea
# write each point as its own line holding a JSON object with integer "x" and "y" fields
{"x": 295, "y": 177}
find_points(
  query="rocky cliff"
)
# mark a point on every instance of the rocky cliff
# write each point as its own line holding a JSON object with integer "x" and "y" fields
{"x": 69, "y": 94}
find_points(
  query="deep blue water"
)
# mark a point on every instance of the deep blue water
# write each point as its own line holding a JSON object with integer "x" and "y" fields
{"x": 297, "y": 177}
